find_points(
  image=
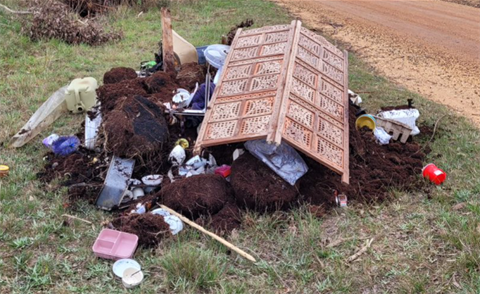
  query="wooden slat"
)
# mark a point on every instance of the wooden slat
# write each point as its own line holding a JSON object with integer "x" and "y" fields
{"x": 167, "y": 42}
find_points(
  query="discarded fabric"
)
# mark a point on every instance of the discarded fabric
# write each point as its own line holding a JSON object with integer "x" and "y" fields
{"x": 383, "y": 138}
{"x": 48, "y": 141}
{"x": 65, "y": 145}
{"x": 198, "y": 100}
{"x": 282, "y": 159}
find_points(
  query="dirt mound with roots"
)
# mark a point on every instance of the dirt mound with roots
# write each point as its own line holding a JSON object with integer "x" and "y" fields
{"x": 52, "y": 19}
{"x": 197, "y": 195}
{"x": 150, "y": 228}
{"x": 118, "y": 74}
{"x": 135, "y": 127}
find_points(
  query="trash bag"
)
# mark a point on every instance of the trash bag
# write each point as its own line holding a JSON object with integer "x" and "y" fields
{"x": 283, "y": 159}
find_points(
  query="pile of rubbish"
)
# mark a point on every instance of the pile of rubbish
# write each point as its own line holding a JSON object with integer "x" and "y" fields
{"x": 135, "y": 156}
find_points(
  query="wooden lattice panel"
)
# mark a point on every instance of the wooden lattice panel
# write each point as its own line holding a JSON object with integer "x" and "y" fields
{"x": 249, "y": 91}
{"x": 283, "y": 83}
{"x": 314, "y": 113}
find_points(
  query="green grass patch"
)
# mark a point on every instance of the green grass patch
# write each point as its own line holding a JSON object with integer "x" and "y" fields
{"x": 421, "y": 243}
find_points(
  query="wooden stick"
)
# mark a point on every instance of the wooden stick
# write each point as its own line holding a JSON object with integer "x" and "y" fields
{"x": 216, "y": 237}
{"x": 361, "y": 251}
{"x": 80, "y": 219}
{"x": 167, "y": 42}
{"x": 14, "y": 11}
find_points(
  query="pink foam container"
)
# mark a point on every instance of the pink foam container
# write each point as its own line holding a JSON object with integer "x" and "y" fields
{"x": 111, "y": 244}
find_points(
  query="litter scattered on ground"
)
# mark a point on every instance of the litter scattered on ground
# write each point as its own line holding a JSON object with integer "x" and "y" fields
{"x": 282, "y": 159}
{"x": 434, "y": 174}
{"x": 122, "y": 264}
{"x": 206, "y": 172}
{"x": 4, "y": 170}
{"x": 112, "y": 244}
{"x": 404, "y": 116}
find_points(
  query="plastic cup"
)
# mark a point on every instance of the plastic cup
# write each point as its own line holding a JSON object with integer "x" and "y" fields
{"x": 434, "y": 174}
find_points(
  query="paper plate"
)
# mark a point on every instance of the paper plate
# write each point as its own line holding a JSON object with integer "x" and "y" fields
{"x": 122, "y": 264}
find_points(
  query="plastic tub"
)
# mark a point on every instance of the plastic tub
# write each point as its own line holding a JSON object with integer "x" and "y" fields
{"x": 434, "y": 174}
{"x": 216, "y": 55}
{"x": 132, "y": 277}
{"x": 224, "y": 170}
{"x": 201, "y": 54}
{"x": 111, "y": 244}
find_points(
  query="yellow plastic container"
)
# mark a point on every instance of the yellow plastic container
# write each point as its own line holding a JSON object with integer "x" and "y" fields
{"x": 81, "y": 95}
{"x": 4, "y": 171}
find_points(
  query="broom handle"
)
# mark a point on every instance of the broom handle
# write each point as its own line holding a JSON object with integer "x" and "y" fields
{"x": 214, "y": 236}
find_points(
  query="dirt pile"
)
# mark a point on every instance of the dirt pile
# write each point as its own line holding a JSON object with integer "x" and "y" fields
{"x": 90, "y": 8}
{"x": 54, "y": 20}
{"x": 109, "y": 94}
{"x": 150, "y": 228}
{"x": 197, "y": 195}
{"x": 118, "y": 74}
{"x": 374, "y": 169}
{"x": 190, "y": 74}
{"x": 83, "y": 172}
{"x": 231, "y": 34}
{"x": 161, "y": 83}
{"x": 258, "y": 187}
{"x": 135, "y": 127}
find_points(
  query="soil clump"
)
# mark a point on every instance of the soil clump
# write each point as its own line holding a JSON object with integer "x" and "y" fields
{"x": 231, "y": 34}
{"x": 135, "y": 127}
{"x": 189, "y": 75}
{"x": 118, "y": 74}
{"x": 150, "y": 228}
{"x": 258, "y": 187}
{"x": 109, "y": 94}
{"x": 197, "y": 195}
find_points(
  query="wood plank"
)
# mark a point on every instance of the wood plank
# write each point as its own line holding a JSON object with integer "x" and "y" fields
{"x": 346, "y": 131}
{"x": 45, "y": 115}
{"x": 167, "y": 42}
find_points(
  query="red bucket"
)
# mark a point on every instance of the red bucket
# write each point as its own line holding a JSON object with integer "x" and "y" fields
{"x": 434, "y": 174}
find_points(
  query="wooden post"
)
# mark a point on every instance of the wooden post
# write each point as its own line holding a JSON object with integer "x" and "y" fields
{"x": 216, "y": 237}
{"x": 167, "y": 42}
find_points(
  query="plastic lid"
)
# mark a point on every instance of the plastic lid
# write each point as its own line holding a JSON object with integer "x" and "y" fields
{"x": 4, "y": 168}
{"x": 216, "y": 55}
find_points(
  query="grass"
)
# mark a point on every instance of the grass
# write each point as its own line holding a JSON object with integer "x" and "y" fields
{"x": 422, "y": 241}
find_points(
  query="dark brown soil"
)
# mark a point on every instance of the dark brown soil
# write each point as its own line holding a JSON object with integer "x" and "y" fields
{"x": 231, "y": 34}
{"x": 190, "y": 74}
{"x": 227, "y": 219}
{"x": 162, "y": 83}
{"x": 135, "y": 127}
{"x": 374, "y": 170}
{"x": 150, "y": 228}
{"x": 258, "y": 187}
{"x": 81, "y": 171}
{"x": 111, "y": 93}
{"x": 118, "y": 74}
{"x": 197, "y": 195}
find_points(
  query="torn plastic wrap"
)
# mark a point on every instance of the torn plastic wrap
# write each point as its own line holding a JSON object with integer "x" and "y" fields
{"x": 282, "y": 159}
